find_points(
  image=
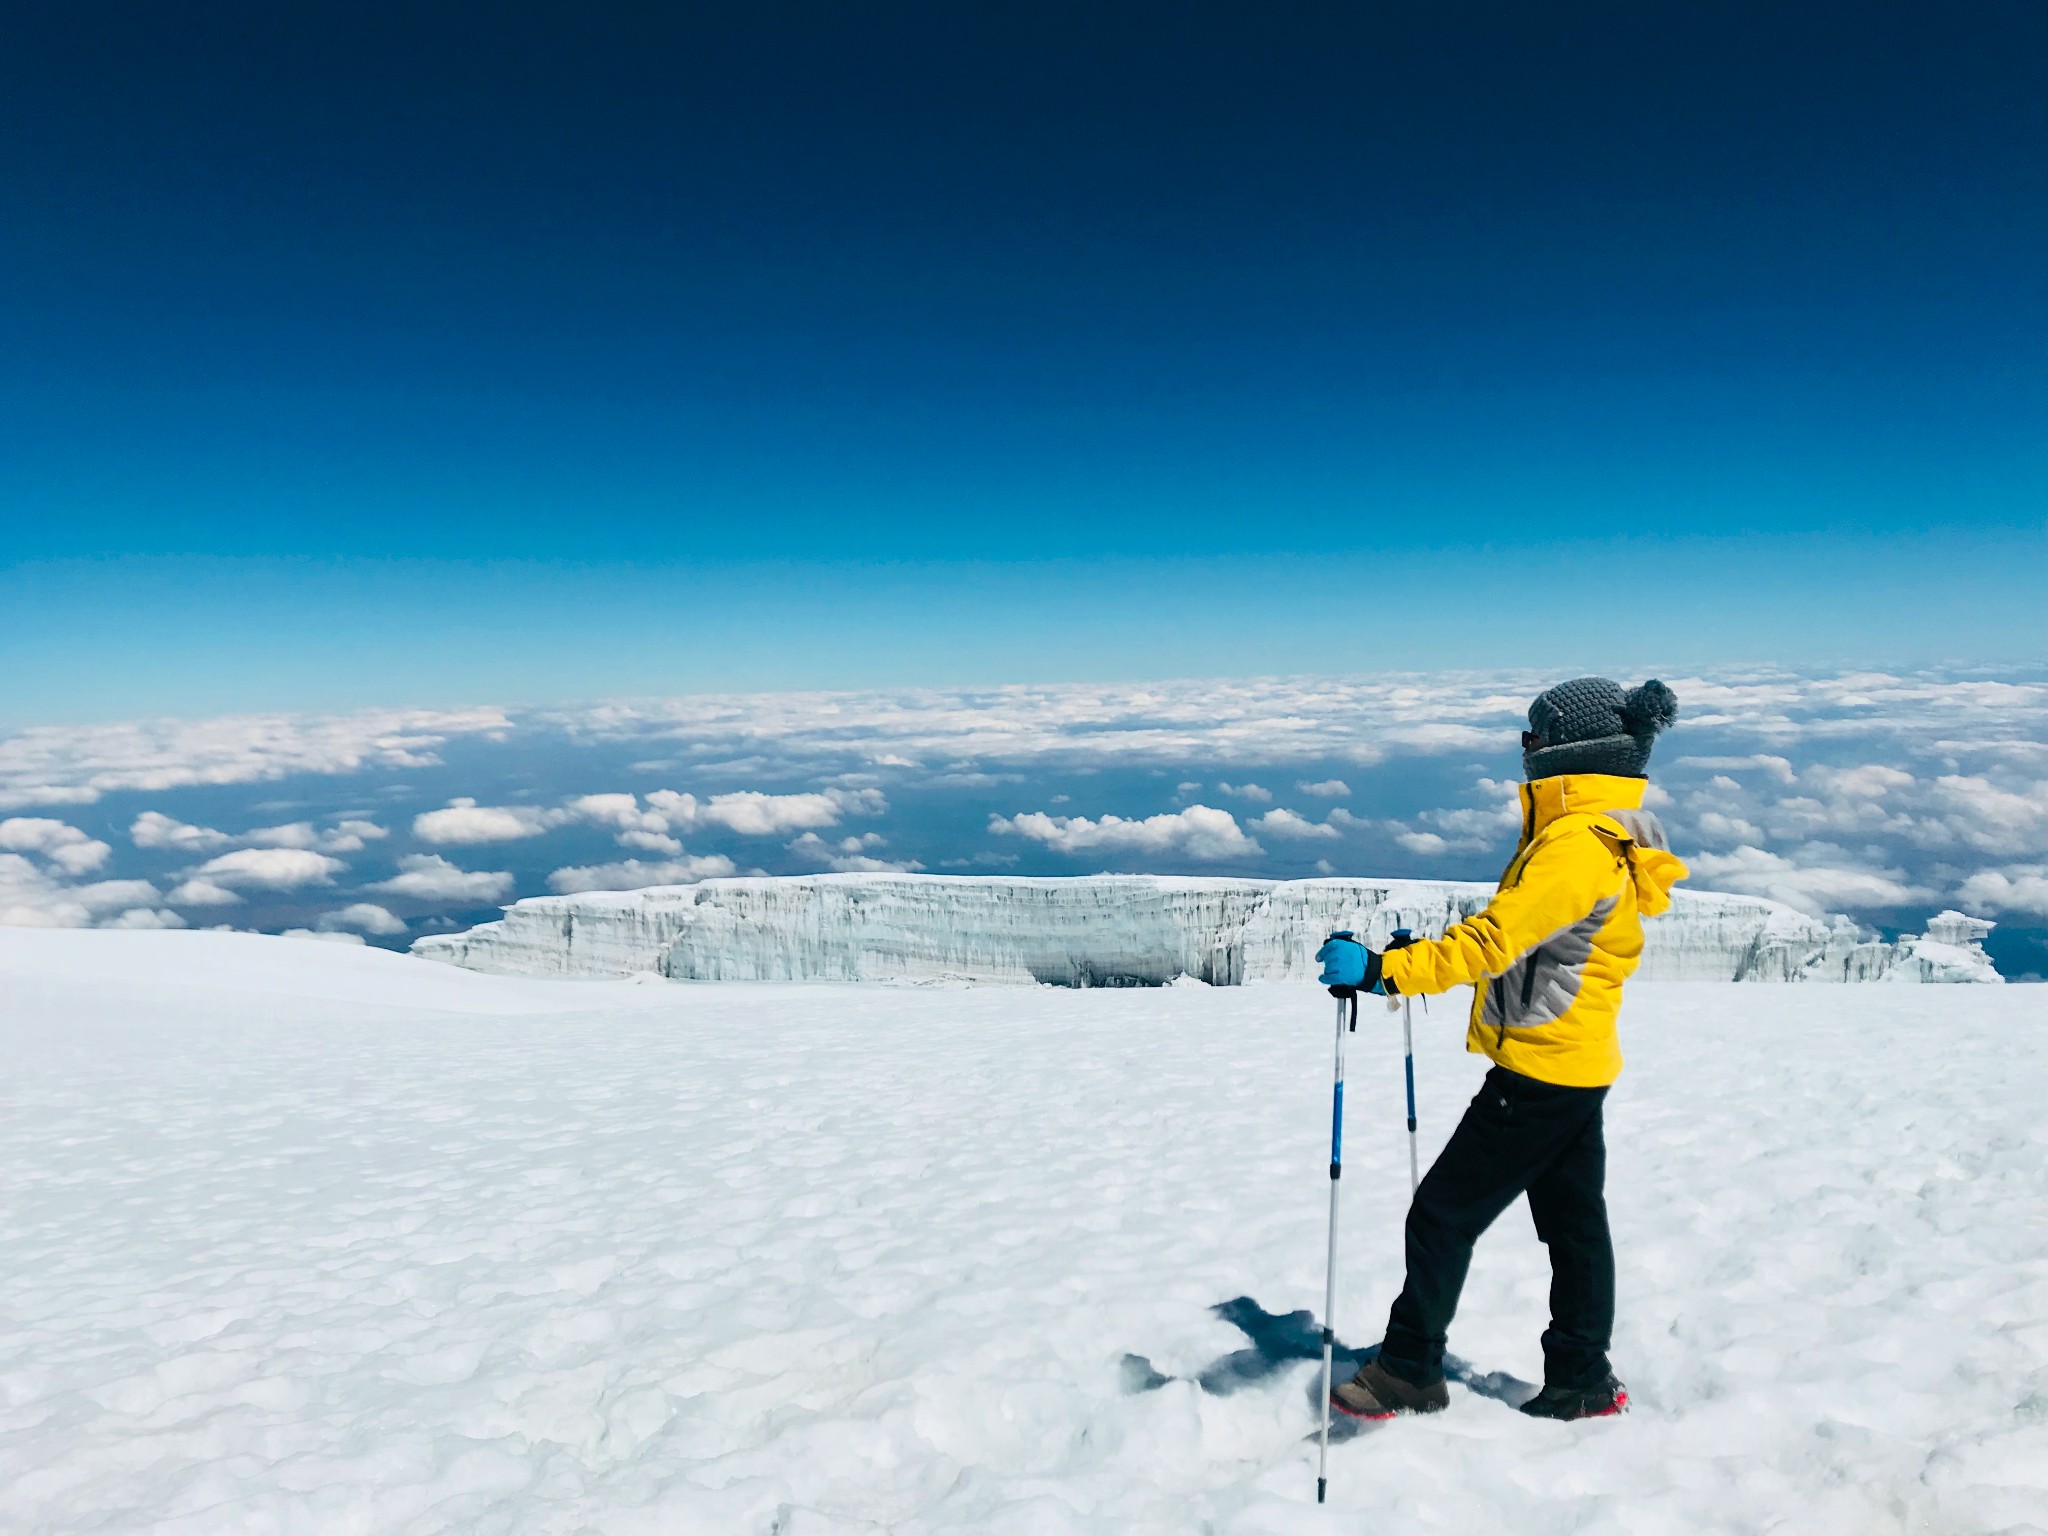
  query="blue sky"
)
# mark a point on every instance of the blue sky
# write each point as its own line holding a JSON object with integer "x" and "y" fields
{"x": 369, "y": 355}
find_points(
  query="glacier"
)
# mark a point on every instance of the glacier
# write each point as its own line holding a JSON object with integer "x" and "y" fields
{"x": 1124, "y": 930}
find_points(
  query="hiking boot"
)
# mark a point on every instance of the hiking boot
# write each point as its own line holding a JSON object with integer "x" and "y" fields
{"x": 1377, "y": 1393}
{"x": 1598, "y": 1401}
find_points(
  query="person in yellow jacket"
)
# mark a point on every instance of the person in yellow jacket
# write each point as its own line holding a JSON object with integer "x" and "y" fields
{"x": 1546, "y": 961}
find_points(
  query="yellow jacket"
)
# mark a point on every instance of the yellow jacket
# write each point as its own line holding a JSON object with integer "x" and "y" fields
{"x": 1547, "y": 957}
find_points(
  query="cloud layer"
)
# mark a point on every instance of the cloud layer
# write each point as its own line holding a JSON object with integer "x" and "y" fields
{"x": 1882, "y": 795}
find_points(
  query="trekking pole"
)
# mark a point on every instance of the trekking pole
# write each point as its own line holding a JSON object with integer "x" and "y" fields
{"x": 1408, "y": 1061}
{"x": 1401, "y": 939}
{"x": 1347, "y": 1012}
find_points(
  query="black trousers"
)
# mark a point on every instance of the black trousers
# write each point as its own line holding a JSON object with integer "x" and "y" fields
{"x": 1518, "y": 1136}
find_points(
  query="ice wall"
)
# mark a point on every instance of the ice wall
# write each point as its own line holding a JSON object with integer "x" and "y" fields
{"x": 1121, "y": 930}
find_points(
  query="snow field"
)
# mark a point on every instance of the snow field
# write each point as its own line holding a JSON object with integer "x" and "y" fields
{"x": 302, "y": 1238}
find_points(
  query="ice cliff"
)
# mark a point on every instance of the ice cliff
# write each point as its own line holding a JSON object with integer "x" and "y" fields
{"x": 1123, "y": 930}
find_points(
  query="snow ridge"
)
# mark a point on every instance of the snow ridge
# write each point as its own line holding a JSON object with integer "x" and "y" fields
{"x": 1123, "y": 930}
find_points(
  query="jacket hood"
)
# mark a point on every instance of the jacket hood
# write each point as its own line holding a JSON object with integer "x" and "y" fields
{"x": 1635, "y": 834}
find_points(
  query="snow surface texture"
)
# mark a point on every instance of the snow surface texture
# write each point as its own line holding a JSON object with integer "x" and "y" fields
{"x": 1110, "y": 930}
{"x": 312, "y": 1239}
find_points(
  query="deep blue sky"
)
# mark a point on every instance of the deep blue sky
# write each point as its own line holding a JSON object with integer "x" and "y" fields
{"x": 393, "y": 352}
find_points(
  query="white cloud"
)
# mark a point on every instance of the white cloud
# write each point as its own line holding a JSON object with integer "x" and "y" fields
{"x": 1454, "y": 829}
{"x": 631, "y": 826}
{"x": 1999, "y": 819}
{"x": 2017, "y": 888}
{"x": 362, "y": 917}
{"x": 633, "y": 875}
{"x": 80, "y": 858}
{"x": 75, "y": 765}
{"x": 621, "y": 812}
{"x": 145, "y": 917}
{"x": 1326, "y": 789}
{"x": 1926, "y": 780}
{"x": 1778, "y": 768}
{"x": 1716, "y": 829}
{"x": 153, "y": 829}
{"x": 851, "y": 854}
{"x": 349, "y": 837}
{"x": 465, "y": 823}
{"x": 31, "y": 897}
{"x": 66, "y": 848}
{"x": 429, "y": 877}
{"x": 754, "y": 814}
{"x": 1285, "y": 823}
{"x": 201, "y": 893}
{"x": 1199, "y": 832}
{"x": 1442, "y": 736}
{"x": 1256, "y": 793}
{"x": 1822, "y": 879}
{"x": 273, "y": 869}
{"x": 1869, "y": 781}
{"x": 17, "y": 797}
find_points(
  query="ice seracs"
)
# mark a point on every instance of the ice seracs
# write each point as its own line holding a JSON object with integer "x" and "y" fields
{"x": 1122, "y": 930}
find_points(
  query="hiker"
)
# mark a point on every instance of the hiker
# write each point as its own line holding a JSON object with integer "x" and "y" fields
{"x": 1546, "y": 961}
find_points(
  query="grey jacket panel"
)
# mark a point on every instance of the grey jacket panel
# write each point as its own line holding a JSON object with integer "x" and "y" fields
{"x": 1539, "y": 987}
{"x": 1643, "y": 826}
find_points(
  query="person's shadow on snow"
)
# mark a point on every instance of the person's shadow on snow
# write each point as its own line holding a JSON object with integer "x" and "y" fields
{"x": 1278, "y": 1340}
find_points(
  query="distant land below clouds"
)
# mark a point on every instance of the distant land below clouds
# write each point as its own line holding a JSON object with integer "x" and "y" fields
{"x": 1885, "y": 796}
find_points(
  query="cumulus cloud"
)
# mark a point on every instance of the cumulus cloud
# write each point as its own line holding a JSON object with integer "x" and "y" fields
{"x": 1256, "y": 793}
{"x": 651, "y": 826}
{"x": 75, "y": 765}
{"x": 1199, "y": 832}
{"x": 754, "y": 814}
{"x": 634, "y": 825}
{"x": 1287, "y": 824}
{"x": 361, "y": 917}
{"x": 2021, "y": 888}
{"x": 20, "y": 796}
{"x": 155, "y": 830}
{"x": 851, "y": 854}
{"x": 348, "y": 837}
{"x": 201, "y": 893}
{"x": 272, "y": 869}
{"x": 633, "y": 875}
{"x": 1818, "y": 879}
{"x": 145, "y": 917}
{"x": 1778, "y": 768}
{"x": 465, "y": 823}
{"x": 1924, "y": 781}
{"x": 31, "y": 896}
{"x": 1453, "y": 829}
{"x": 429, "y": 877}
{"x": 62, "y": 844}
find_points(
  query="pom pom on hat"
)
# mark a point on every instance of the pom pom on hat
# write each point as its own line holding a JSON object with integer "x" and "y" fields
{"x": 1649, "y": 709}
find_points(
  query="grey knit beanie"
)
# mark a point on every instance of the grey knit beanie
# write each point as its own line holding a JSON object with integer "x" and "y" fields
{"x": 1590, "y": 725}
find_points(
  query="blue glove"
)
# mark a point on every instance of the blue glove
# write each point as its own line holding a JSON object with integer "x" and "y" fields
{"x": 1348, "y": 966}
